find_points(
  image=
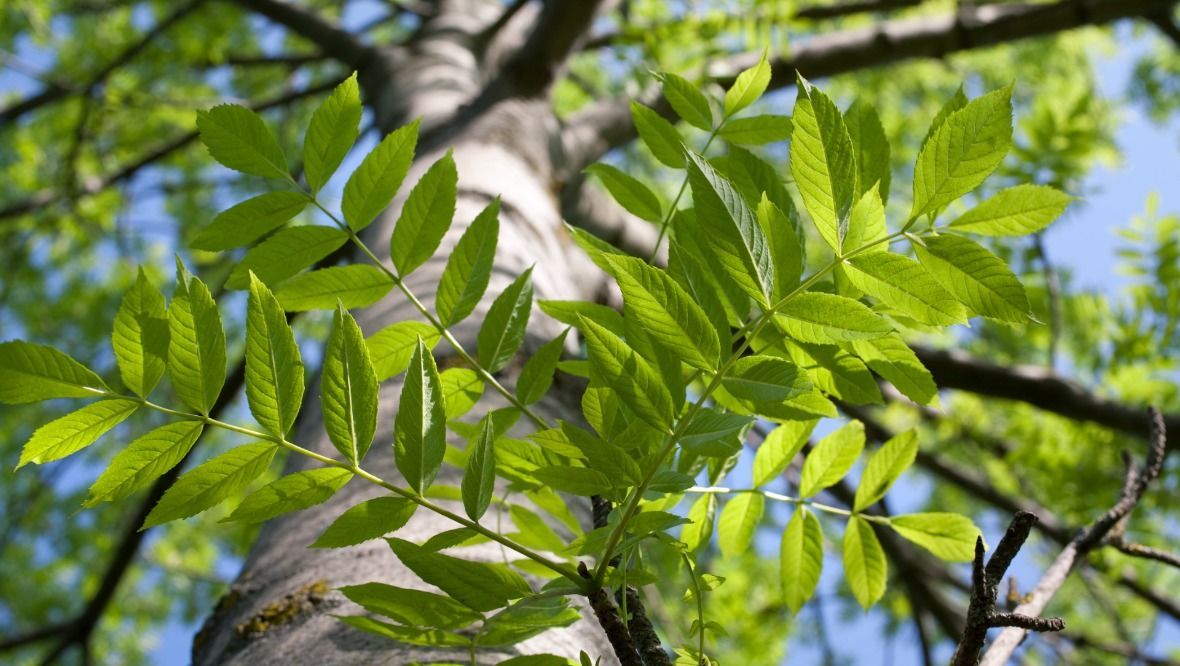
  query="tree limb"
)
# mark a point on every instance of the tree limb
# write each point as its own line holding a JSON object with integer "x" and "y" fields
{"x": 49, "y": 197}
{"x": 1136, "y": 484}
{"x": 821, "y": 12}
{"x": 329, "y": 37}
{"x": 875, "y": 46}
{"x": 56, "y": 92}
{"x": 561, "y": 25}
{"x": 1037, "y": 387}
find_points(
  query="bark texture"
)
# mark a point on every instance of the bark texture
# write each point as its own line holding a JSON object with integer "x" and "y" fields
{"x": 280, "y": 608}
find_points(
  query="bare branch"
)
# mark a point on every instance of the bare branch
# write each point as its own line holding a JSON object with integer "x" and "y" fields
{"x": 821, "y": 12}
{"x": 888, "y": 43}
{"x": 985, "y": 585}
{"x": 329, "y": 37}
{"x": 1037, "y": 387}
{"x": 1137, "y": 481}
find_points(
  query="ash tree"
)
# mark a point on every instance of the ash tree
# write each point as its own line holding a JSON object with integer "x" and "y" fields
{"x": 577, "y": 332}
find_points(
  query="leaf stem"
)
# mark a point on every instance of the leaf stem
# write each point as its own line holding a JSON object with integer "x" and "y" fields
{"x": 680, "y": 193}
{"x": 563, "y": 569}
{"x": 484, "y": 375}
{"x": 721, "y": 490}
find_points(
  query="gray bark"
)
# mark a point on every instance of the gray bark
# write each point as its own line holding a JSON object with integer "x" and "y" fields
{"x": 504, "y": 150}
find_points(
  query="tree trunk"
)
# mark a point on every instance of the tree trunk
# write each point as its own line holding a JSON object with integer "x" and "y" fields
{"x": 280, "y": 608}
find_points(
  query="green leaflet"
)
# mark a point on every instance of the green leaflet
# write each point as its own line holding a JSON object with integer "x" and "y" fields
{"x": 349, "y": 389}
{"x": 618, "y": 367}
{"x": 826, "y": 319}
{"x": 250, "y": 220}
{"x": 537, "y": 375}
{"x": 392, "y": 347}
{"x": 527, "y": 618}
{"x": 735, "y": 236}
{"x": 479, "y": 477}
{"x": 978, "y": 278}
{"x": 367, "y": 520}
{"x": 478, "y": 585}
{"x": 574, "y": 480}
{"x": 537, "y": 660}
{"x": 765, "y": 379}
{"x": 687, "y": 101}
{"x": 355, "y": 286}
{"x": 801, "y": 558}
{"x": 414, "y": 608}
{"x": 779, "y": 448}
{"x": 837, "y": 373}
{"x": 425, "y": 217}
{"x": 140, "y": 337}
{"x": 294, "y": 492}
{"x": 144, "y": 460}
{"x": 756, "y": 130}
{"x": 567, "y": 312}
{"x": 419, "y": 431}
{"x": 831, "y": 458}
{"x": 502, "y": 331}
{"x": 432, "y": 638}
{"x": 956, "y": 102}
{"x": 737, "y": 522}
{"x": 74, "y": 431}
{"x": 903, "y": 283}
{"x": 333, "y": 129}
{"x": 238, "y": 138}
{"x": 963, "y": 152}
{"x": 196, "y": 345}
{"x": 785, "y": 248}
{"x": 465, "y": 278}
{"x": 30, "y": 373}
{"x": 1016, "y": 211}
{"x": 883, "y": 468}
{"x": 864, "y": 562}
{"x": 212, "y": 483}
{"x": 461, "y": 388}
{"x": 284, "y": 254}
{"x": 870, "y": 148}
{"x": 949, "y": 536}
{"x": 696, "y": 533}
{"x": 658, "y": 135}
{"x": 375, "y": 182}
{"x": 891, "y": 358}
{"x": 715, "y": 433}
{"x": 274, "y": 370}
{"x": 748, "y": 86}
{"x": 823, "y": 163}
{"x": 702, "y": 268}
{"x": 667, "y": 313}
{"x": 629, "y": 191}
{"x": 533, "y": 531}
{"x": 866, "y": 227}
{"x": 597, "y": 249}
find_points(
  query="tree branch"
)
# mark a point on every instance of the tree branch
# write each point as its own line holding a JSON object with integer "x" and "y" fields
{"x": 981, "y": 489}
{"x": 985, "y": 585}
{"x": 561, "y": 25}
{"x": 821, "y": 12}
{"x": 1037, "y": 387}
{"x": 50, "y": 197}
{"x": 54, "y": 93}
{"x": 329, "y": 37}
{"x": 883, "y": 44}
{"x": 1136, "y": 484}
